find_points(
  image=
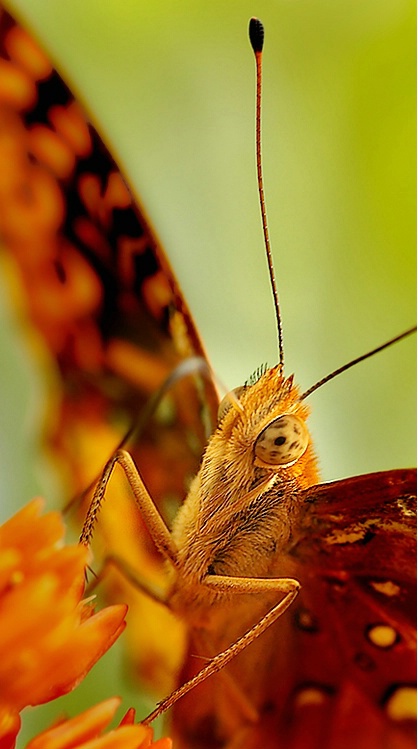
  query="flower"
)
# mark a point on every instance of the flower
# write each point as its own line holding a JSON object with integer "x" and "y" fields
{"x": 50, "y": 637}
{"x": 85, "y": 732}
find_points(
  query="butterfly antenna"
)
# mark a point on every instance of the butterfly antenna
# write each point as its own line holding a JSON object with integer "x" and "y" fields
{"x": 256, "y": 33}
{"x": 356, "y": 361}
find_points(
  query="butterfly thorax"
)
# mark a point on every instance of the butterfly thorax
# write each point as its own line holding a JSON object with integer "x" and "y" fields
{"x": 240, "y": 512}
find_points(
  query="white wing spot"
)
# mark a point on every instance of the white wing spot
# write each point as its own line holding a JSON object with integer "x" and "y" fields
{"x": 382, "y": 635}
{"x": 402, "y": 704}
{"x": 310, "y": 696}
{"x": 405, "y": 508}
{"x": 386, "y": 587}
{"x": 349, "y": 535}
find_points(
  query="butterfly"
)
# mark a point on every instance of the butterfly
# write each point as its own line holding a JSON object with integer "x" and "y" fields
{"x": 95, "y": 388}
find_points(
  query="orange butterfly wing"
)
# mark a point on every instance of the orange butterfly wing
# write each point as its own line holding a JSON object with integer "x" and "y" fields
{"x": 339, "y": 668}
{"x": 96, "y": 282}
{"x": 99, "y": 290}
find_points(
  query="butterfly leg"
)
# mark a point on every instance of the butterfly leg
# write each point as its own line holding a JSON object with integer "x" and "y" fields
{"x": 149, "y": 512}
{"x": 238, "y": 700}
{"x": 287, "y": 586}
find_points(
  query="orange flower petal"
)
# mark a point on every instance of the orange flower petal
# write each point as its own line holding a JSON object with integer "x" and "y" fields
{"x": 19, "y": 530}
{"x": 84, "y": 731}
{"x": 126, "y": 737}
{"x": 78, "y": 730}
{"x": 129, "y": 717}
{"x": 90, "y": 641}
{"x": 9, "y": 727}
{"x": 165, "y": 743}
{"x": 47, "y": 653}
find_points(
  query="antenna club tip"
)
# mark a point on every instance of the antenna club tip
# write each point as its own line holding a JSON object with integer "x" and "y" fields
{"x": 256, "y": 34}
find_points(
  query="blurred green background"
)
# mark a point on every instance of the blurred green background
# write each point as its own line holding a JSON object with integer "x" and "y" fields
{"x": 170, "y": 86}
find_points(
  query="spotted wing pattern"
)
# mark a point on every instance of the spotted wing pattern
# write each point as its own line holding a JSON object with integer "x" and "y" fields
{"x": 106, "y": 316}
{"x": 96, "y": 283}
{"x": 342, "y": 665}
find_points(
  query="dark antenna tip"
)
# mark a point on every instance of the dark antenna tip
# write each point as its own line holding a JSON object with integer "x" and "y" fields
{"x": 256, "y": 33}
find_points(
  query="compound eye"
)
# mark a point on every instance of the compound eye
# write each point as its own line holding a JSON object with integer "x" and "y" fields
{"x": 282, "y": 442}
{"x": 228, "y": 401}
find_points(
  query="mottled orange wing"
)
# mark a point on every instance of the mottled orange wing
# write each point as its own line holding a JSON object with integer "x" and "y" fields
{"x": 354, "y": 648}
{"x": 338, "y": 670}
{"x": 99, "y": 291}
{"x": 97, "y": 284}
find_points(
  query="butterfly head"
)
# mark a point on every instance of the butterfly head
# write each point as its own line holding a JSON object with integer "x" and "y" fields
{"x": 268, "y": 420}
